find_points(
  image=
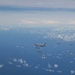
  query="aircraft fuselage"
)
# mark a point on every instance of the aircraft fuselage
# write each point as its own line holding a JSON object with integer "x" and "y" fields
{"x": 40, "y": 45}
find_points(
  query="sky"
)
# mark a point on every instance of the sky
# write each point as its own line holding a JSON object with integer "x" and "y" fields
{"x": 37, "y": 13}
{"x": 40, "y": 3}
{"x": 37, "y": 18}
{"x": 56, "y": 14}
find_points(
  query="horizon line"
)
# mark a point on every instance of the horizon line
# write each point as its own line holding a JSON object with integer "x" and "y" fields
{"x": 18, "y": 8}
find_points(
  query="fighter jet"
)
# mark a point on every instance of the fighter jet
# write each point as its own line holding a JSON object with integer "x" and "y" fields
{"x": 40, "y": 45}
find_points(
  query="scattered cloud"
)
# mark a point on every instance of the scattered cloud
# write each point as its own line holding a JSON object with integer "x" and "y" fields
{"x": 50, "y": 70}
{"x": 37, "y": 66}
{"x": 55, "y": 65}
{"x": 59, "y": 71}
{"x": 72, "y": 71}
{"x": 71, "y": 62}
{"x": 58, "y": 57}
{"x": 62, "y": 36}
{"x": 20, "y": 62}
{"x": 15, "y": 60}
{"x": 10, "y": 63}
{"x": 43, "y": 57}
{"x": 1, "y": 65}
{"x": 18, "y": 66}
{"x": 26, "y": 64}
{"x": 49, "y": 66}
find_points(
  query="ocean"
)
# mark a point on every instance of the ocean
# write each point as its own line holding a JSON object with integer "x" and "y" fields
{"x": 19, "y": 55}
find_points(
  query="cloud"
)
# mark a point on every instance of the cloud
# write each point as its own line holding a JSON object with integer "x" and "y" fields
{"x": 26, "y": 64}
{"x": 1, "y": 65}
{"x": 15, "y": 60}
{"x": 71, "y": 62}
{"x": 50, "y": 22}
{"x": 72, "y": 22}
{"x": 43, "y": 57}
{"x": 4, "y": 28}
{"x": 65, "y": 37}
{"x": 50, "y": 70}
{"x": 72, "y": 71}
{"x": 59, "y": 71}
{"x": 49, "y": 66}
{"x": 18, "y": 66}
{"x": 55, "y": 65}
{"x": 44, "y": 22}
{"x": 10, "y": 63}
{"x": 40, "y": 3}
{"x": 20, "y": 62}
{"x": 28, "y": 22}
{"x": 37, "y": 66}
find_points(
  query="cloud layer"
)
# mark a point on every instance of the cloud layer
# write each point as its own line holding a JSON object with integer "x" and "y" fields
{"x": 40, "y": 22}
{"x": 40, "y": 3}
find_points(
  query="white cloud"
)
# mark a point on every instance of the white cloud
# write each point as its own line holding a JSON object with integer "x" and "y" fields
{"x": 72, "y": 71}
{"x": 18, "y": 66}
{"x": 71, "y": 62}
{"x": 59, "y": 71}
{"x": 66, "y": 37}
{"x": 72, "y": 22}
{"x": 58, "y": 57}
{"x": 37, "y": 66}
{"x": 50, "y": 22}
{"x": 43, "y": 57}
{"x": 10, "y": 63}
{"x": 28, "y": 22}
{"x": 44, "y": 22}
{"x": 21, "y": 61}
{"x": 26, "y": 64}
{"x": 49, "y": 66}
{"x": 62, "y": 36}
{"x": 15, "y": 60}
{"x": 50, "y": 70}
{"x": 12, "y": 20}
{"x": 1, "y": 65}
{"x": 55, "y": 65}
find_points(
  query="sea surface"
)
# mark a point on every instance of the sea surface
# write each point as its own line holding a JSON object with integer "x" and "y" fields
{"x": 19, "y": 55}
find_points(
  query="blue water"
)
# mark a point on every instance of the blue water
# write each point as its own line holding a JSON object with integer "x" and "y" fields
{"x": 19, "y": 56}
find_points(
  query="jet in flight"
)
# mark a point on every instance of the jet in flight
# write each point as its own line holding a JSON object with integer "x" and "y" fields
{"x": 40, "y": 45}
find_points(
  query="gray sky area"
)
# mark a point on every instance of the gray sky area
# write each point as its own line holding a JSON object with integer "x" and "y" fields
{"x": 37, "y": 17}
{"x": 40, "y": 3}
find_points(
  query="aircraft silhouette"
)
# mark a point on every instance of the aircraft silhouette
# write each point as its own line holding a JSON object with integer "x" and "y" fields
{"x": 40, "y": 45}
